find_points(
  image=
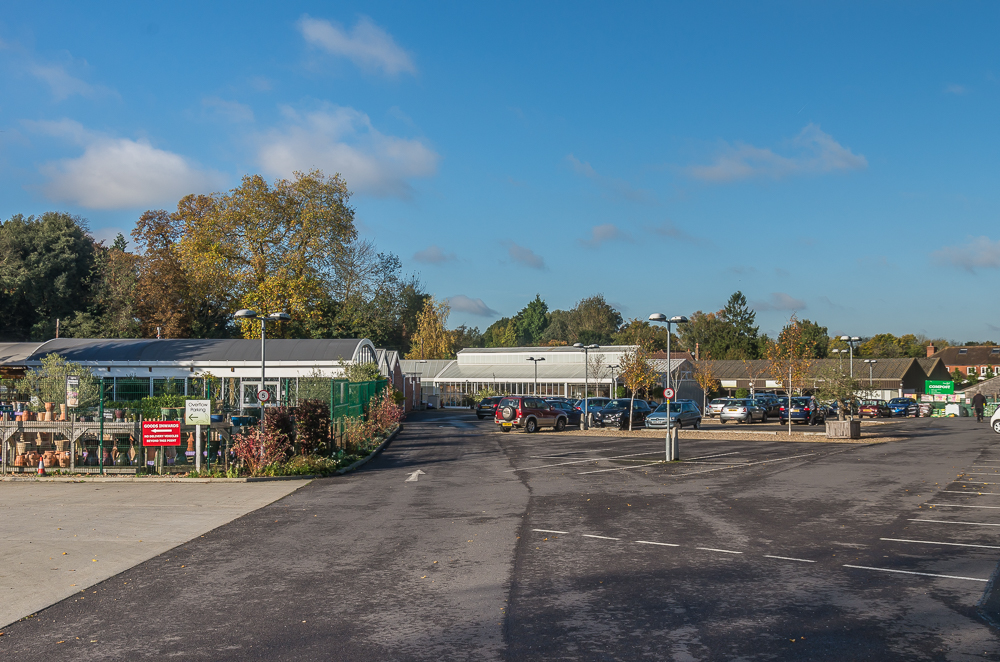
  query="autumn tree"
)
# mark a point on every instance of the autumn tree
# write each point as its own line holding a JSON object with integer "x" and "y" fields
{"x": 638, "y": 374}
{"x": 705, "y": 376}
{"x": 432, "y": 340}
{"x": 791, "y": 356}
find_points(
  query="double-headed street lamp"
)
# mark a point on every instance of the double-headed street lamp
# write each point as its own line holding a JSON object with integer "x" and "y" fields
{"x": 840, "y": 353}
{"x": 851, "y": 340}
{"x": 677, "y": 319}
{"x": 535, "y": 361}
{"x": 245, "y": 314}
{"x": 586, "y": 378}
{"x": 871, "y": 364}
{"x": 613, "y": 382}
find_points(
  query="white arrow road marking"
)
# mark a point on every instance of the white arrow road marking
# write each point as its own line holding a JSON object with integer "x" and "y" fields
{"x": 413, "y": 476}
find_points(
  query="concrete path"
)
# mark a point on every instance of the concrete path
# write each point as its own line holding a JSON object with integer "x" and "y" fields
{"x": 58, "y": 539}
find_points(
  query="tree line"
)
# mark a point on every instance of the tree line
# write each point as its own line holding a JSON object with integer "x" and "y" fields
{"x": 290, "y": 245}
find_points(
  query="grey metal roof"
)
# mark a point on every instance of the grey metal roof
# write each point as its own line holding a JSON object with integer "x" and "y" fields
{"x": 106, "y": 350}
{"x": 426, "y": 369}
{"x": 16, "y": 353}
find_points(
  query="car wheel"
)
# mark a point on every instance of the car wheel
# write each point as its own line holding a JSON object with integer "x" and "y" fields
{"x": 531, "y": 426}
{"x": 560, "y": 425}
{"x": 697, "y": 424}
{"x": 996, "y": 426}
{"x": 480, "y": 417}
{"x": 763, "y": 419}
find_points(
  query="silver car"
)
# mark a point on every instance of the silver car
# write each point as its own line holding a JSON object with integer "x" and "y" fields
{"x": 715, "y": 406}
{"x": 743, "y": 411}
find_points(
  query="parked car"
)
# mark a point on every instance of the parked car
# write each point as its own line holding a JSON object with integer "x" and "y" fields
{"x": 743, "y": 410}
{"x": 801, "y": 412}
{"x": 487, "y": 407}
{"x": 833, "y": 409}
{"x": 771, "y": 403}
{"x": 995, "y": 421}
{"x": 682, "y": 412}
{"x": 715, "y": 407}
{"x": 593, "y": 404}
{"x": 515, "y": 411}
{"x": 900, "y": 406}
{"x": 573, "y": 416}
{"x": 616, "y": 413}
{"x": 874, "y": 409}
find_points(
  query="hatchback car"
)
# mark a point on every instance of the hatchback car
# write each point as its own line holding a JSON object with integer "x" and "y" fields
{"x": 715, "y": 407}
{"x": 487, "y": 407}
{"x": 874, "y": 409}
{"x": 572, "y": 415}
{"x": 682, "y": 413}
{"x": 771, "y": 403}
{"x": 900, "y": 406}
{"x": 801, "y": 412}
{"x": 616, "y": 413}
{"x": 528, "y": 413}
{"x": 743, "y": 410}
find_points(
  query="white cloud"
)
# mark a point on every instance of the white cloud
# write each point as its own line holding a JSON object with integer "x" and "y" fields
{"x": 610, "y": 185}
{"x": 465, "y": 304}
{"x": 600, "y": 234}
{"x": 62, "y": 84}
{"x": 812, "y": 151}
{"x": 525, "y": 256}
{"x": 779, "y": 301}
{"x": 367, "y": 45}
{"x": 232, "y": 111}
{"x": 118, "y": 173}
{"x": 977, "y": 253}
{"x": 434, "y": 255}
{"x": 954, "y": 88}
{"x": 338, "y": 139}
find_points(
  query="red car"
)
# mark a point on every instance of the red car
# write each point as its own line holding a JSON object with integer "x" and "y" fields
{"x": 874, "y": 409}
{"x": 530, "y": 413}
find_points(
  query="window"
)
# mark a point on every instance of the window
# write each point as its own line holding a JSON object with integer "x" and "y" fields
{"x": 982, "y": 370}
{"x": 971, "y": 371}
{"x": 963, "y": 351}
{"x": 995, "y": 350}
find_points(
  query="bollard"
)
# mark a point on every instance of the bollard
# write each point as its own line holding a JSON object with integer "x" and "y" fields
{"x": 673, "y": 451}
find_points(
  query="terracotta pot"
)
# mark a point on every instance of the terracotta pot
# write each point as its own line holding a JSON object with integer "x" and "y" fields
{"x": 62, "y": 412}
{"x": 49, "y": 459}
{"x": 22, "y": 447}
{"x": 48, "y": 410}
{"x": 19, "y": 460}
{"x": 190, "y": 446}
{"x": 62, "y": 445}
{"x": 64, "y": 460}
{"x": 32, "y": 459}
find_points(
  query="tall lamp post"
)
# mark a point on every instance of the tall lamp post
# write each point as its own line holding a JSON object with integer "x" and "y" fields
{"x": 871, "y": 364}
{"x": 417, "y": 373}
{"x": 677, "y": 319}
{"x": 246, "y": 314}
{"x": 840, "y": 354}
{"x": 586, "y": 379}
{"x": 851, "y": 340}
{"x": 535, "y": 361}
{"x": 613, "y": 382}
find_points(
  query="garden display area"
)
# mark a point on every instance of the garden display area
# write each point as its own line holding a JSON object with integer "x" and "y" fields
{"x": 59, "y": 430}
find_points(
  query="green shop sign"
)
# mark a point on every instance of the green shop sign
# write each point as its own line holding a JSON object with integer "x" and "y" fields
{"x": 939, "y": 388}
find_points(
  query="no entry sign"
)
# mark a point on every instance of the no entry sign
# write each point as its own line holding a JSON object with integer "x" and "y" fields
{"x": 668, "y": 393}
{"x": 161, "y": 433}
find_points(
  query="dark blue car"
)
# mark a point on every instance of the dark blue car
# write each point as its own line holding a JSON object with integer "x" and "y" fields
{"x": 899, "y": 406}
{"x": 573, "y": 415}
{"x": 800, "y": 412}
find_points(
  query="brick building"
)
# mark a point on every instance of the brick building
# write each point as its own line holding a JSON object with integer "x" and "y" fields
{"x": 980, "y": 361}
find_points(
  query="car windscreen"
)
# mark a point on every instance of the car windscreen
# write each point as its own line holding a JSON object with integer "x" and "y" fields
{"x": 620, "y": 404}
{"x": 675, "y": 407}
{"x": 509, "y": 402}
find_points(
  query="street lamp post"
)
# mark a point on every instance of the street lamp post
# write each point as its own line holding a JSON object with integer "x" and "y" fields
{"x": 851, "y": 340}
{"x": 613, "y": 383}
{"x": 535, "y": 361}
{"x": 840, "y": 355}
{"x": 586, "y": 379}
{"x": 871, "y": 364}
{"x": 246, "y": 314}
{"x": 672, "y": 451}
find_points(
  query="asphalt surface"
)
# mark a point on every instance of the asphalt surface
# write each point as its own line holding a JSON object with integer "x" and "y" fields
{"x": 555, "y": 546}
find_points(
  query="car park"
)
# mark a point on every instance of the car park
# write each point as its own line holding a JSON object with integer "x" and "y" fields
{"x": 487, "y": 407}
{"x": 617, "y": 412}
{"x": 771, "y": 403}
{"x": 715, "y": 407}
{"x": 874, "y": 409}
{"x": 682, "y": 413}
{"x": 900, "y": 406}
{"x": 530, "y": 413}
{"x": 743, "y": 410}
{"x": 801, "y": 412}
{"x": 573, "y": 415}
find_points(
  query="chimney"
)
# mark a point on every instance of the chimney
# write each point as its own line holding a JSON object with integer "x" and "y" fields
{"x": 931, "y": 350}
{"x": 696, "y": 351}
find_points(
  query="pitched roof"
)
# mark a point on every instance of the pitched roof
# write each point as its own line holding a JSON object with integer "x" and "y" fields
{"x": 966, "y": 356}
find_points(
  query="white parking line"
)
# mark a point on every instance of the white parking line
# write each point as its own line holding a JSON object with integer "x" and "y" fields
{"x": 712, "y": 549}
{"x": 562, "y": 464}
{"x": 559, "y": 455}
{"x": 981, "y": 473}
{"x": 922, "y": 574}
{"x": 974, "y": 482}
{"x": 705, "y": 457}
{"x": 957, "y": 505}
{"x": 649, "y": 542}
{"x": 968, "y": 492}
{"x": 634, "y": 466}
{"x": 787, "y": 558}
{"x": 941, "y": 521}
{"x": 748, "y": 464}
{"x": 935, "y": 542}
{"x": 587, "y": 535}
{"x": 549, "y": 531}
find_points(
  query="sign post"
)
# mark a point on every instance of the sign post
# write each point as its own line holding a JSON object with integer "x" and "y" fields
{"x": 673, "y": 451}
{"x": 198, "y": 413}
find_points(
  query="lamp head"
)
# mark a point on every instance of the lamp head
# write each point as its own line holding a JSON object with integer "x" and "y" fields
{"x": 679, "y": 319}
{"x": 594, "y": 346}
{"x": 279, "y": 317}
{"x": 845, "y": 337}
{"x": 245, "y": 313}
{"x": 578, "y": 345}
{"x": 657, "y": 317}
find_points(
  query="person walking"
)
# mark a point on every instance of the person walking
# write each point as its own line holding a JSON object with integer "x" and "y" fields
{"x": 813, "y": 409}
{"x": 979, "y": 402}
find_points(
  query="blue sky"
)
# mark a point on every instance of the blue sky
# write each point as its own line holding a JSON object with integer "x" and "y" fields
{"x": 835, "y": 159}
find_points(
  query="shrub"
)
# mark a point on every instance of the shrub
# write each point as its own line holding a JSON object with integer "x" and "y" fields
{"x": 312, "y": 426}
{"x": 259, "y": 450}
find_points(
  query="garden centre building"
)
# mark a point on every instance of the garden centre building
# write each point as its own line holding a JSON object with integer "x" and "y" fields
{"x": 150, "y": 367}
{"x": 561, "y": 371}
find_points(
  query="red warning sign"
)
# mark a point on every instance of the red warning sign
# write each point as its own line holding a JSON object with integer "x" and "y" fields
{"x": 161, "y": 433}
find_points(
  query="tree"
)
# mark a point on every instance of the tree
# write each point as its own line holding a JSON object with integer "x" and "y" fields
{"x": 597, "y": 366}
{"x": 638, "y": 332}
{"x": 464, "y": 336}
{"x": 361, "y": 372}
{"x": 741, "y": 332}
{"x": 790, "y": 358}
{"x": 638, "y": 374}
{"x": 46, "y": 267}
{"x": 162, "y": 286}
{"x": 532, "y": 321}
{"x": 704, "y": 375}
{"x": 48, "y": 383}
{"x": 832, "y": 383}
{"x": 593, "y": 320}
{"x": 431, "y": 340}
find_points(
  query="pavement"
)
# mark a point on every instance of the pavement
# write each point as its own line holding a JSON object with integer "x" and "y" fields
{"x": 59, "y": 539}
{"x": 512, "y": 546}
